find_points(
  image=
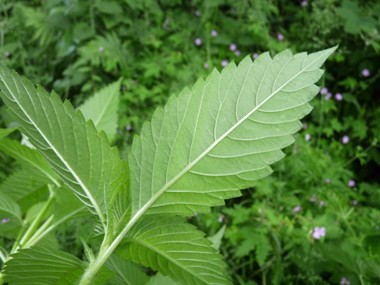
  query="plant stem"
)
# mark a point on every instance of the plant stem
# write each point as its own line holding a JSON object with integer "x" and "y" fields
{"x": 33, "y": 227}
{"x": 32, "y": 241}
{"x": 360, "y": 278}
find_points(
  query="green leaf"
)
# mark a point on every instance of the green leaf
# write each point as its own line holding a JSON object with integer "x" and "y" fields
{"x": 30, "y": 159}
{"x": 72, "y": 146}
{"x": 126, "y": 273}
{"x": 25, "y": 188}
{"x": 43, "y": 266}
{"x": 217, "y": 238}
{"x": 176, "y": 249}
{"x": 102, "y": 109}
{"x": 10, "y": 213}
{"x": 160, "y": 279}
{"x": 221, "y": 135}
{"x": 5, "y": 132}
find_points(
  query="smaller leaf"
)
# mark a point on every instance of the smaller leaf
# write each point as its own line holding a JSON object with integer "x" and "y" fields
{"x": 160, "y": 279}
{"x": 126, "y": 273}
{"x": 10, "y": 213}
{"x": 102, "y": 107}
{"x": 43, "y": 266}
{"x": 217, "y": 238}
{"x": 175, "y": 248}
{"x": 30, "y": 159}
{"x": 6, "y": 132}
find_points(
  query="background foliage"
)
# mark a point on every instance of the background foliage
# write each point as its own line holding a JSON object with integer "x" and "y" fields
{"x": 330, "y": 177}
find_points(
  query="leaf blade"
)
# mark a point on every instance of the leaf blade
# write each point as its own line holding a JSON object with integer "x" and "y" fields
{"x": 221, "y": 136}
{"x": 175, "y": 248}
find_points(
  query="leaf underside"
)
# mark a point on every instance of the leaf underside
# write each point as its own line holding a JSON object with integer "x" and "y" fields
{"x": 221, "y": 135}
{"x": 80, "y": 156}
{"x": 43, "y": 266}
{"x": 175, "y": 248}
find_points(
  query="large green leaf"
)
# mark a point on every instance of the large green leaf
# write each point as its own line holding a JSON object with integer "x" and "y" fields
{"x": 160, "y": 279}
{"x": 221, "y": 135}
{"x": 102, "y": 109}
{"x": 43, "y": 266}
{"x": 176, "y": 249}
{"x": 81, "y": 157}
{"x": 126, "y": 273}
{"x": 31, "y": 160}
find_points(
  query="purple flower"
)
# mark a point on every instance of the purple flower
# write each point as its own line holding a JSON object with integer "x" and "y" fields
{"x": 256, "y": 55}
{"x": 214, "y": 33}
{"x": 205, "y": 65}
{"x": 366, "y": 73}
{"x": 220, "y": 219}
{"x": 6, "y": 54}
{"x": 297, "y": 209}
{"x": 338, "y": 97}
{"x": 128, "y": 128}
{"x": 319, "y": 232}
{"x": 351, "y": 183}
{"x": 280, "y": 37}
{"x": 195, "y": 214}
{"x": 224, "y": 62}
{"x": 324, "y": 90}
{"x": 328, "y": 96}
{"x": 233, "y": 10}
{"x": 232, "y": 47}
{"x": 345, "y": 139}
{"x": 101, "y": 49}
{"x": 197, "y": 13}
{"x": 307, "y": 137}
{"x": 321, "y": 203}
{"x": 344, "y": 281}
{"x": 166, "y": 21}
{"x": 355, "y": 202}
{"x": 305, "y": 126}
{"x": 237, "y": 53}
{"x": 304, "y": 3}
{"x": 4, "y": 221}
{"x": 198, "y": 41}
{"x": 123, "y": 88}
{"x": 328, "y": 180}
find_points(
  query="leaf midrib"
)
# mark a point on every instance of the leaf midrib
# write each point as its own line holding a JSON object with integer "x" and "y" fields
{"x": 142, "y": 210}
{"x": 93, "y": 202}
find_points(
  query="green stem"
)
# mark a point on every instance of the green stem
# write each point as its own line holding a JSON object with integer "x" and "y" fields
{"x": 361, "y": 279}
{"x": 3, "y": 255}
{"x": 1, "y": 279}
{"x": 33, "y": 227}
{"x": 37, "y": 234}
{"x": 106, "y": 251}
{"x": 43, "y": 232}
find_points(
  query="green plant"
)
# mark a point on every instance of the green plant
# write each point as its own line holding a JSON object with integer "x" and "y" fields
{"x": 201, "y": 148}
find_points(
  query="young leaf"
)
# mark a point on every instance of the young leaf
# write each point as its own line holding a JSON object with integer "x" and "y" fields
{"x": 31, "y": 160}
{"x": 44, "y": 266}
{"x": 176, "y": 249}
{"x": 102, "y": 109}
{"x": 126, "y": 273}
{"x": 72, "y": 146}
{"x": 221, "y": 135}
{"x": 5, "y": 132}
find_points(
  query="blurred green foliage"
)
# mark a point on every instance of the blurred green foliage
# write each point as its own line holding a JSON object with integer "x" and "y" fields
{"x": 76, "y": 47}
